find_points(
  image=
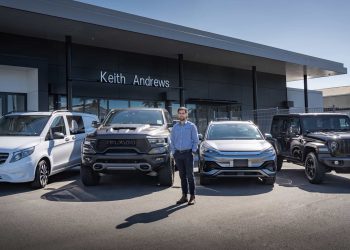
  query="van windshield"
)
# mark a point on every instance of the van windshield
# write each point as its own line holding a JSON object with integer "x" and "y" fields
{"x": 22, "y": 125}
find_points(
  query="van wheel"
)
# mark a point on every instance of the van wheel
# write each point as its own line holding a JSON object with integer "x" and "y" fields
{"x": 41, "y": 175}
{"x": 279, "y": 163}
{"x": 166, "y": 175}
{"x": 314, "y": 169}
{"x": 88, "y": 176}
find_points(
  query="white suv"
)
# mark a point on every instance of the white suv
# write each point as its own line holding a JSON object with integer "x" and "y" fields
{"x": 36, "y": 145}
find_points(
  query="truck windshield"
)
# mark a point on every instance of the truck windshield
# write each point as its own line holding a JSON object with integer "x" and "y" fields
{"x": 233, "y": 132}
{"x": 22, "y": 125}
{"x": 151, "y": 117}
{"x": 326, "y": 123}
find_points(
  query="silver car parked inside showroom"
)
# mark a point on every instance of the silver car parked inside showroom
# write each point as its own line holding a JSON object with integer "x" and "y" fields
{"x": 236, "y": 149}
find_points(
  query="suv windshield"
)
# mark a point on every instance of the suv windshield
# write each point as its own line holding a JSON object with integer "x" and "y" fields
{"x": 233, "y": 132}
{"x": 22, "y": 125}
{"x": 151, "y": 117}
{"x": 326, "y": 123}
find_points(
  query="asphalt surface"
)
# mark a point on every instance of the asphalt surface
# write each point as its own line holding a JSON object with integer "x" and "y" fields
{"x": 132, "y": 212}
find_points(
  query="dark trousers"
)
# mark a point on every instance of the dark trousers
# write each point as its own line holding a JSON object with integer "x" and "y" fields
{"x": 184, "y": 163}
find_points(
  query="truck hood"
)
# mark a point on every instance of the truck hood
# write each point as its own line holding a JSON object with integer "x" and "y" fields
{"x": 325, "y": 136}
{"x": 239, "y": 145}
{"x": 15, "y": 143}
{"x": 119, "y": 129}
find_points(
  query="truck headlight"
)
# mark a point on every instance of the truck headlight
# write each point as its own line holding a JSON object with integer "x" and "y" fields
{"x": 22, "y": 154}
{"x": 156, "y": 140}
{"x": 88, "y": 146}
{"x": 333, "y": 146}
{"x": 158, "y": 150}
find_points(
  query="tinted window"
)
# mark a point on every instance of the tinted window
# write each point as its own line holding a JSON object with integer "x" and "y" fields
{"x": 76, "y": 124}
{"x": 23, "y": 125}
{"x": 279, "y": 126}
{"x": 152, "y": 117}
{"x": 58, "y": 125}
{"x": 233, "y": 132}
{"x": 325, "y": 123}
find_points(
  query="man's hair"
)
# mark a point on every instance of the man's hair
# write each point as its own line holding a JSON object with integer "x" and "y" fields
{"x": 182, "y": 108}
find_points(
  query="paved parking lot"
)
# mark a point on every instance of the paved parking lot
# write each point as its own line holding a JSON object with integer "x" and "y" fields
{"x": 132, "y": 212}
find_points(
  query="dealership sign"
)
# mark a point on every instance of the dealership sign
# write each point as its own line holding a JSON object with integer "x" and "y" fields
{"x": 119, "y": 78}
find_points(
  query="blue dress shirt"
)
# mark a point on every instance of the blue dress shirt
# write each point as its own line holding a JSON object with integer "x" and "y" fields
{"x": 184, "y": 137}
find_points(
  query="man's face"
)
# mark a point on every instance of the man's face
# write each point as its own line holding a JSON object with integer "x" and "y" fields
{"x": 182, "y": 115}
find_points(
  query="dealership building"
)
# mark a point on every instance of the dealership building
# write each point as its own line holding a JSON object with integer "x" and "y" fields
{"x": 72, "y": 55}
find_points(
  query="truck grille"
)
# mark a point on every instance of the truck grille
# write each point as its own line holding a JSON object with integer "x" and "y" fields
{"x": 108, "y": 144}
{"x": 3, "y": 157}
{"x": 344, "y": 147}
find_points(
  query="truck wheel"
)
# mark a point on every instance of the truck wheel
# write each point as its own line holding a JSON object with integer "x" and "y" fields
{"x": 166, "y": 175}
{"x": 314, "y": 169}
{"x": 279, "y": 163}
{"x": 204, "y": 180}
{"x": 41, "y": 175}
{"x": 269, "y": 180}
{"x": 88, "y": 176}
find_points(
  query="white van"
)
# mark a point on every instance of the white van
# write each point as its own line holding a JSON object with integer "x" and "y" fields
{"x": 36, "y": 145}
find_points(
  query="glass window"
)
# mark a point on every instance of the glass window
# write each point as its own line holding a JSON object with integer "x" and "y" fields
{"x": 78, "y": 104}
{"x": 91, "y": 106}
{"x": 147, "y": 104}
{"x": 62, "y": 102}
{"x": 19, "y": 125}
{"x": 16, "y": 102}
{"x": 113, "y": 104}
{"x": 103, "y": 108}
{"x": 76, "y": 124}
{"x": 136, "y": 117}
{"x": 58, "y": 125}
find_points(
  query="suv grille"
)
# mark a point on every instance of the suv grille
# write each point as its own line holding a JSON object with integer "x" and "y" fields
{"x": 3, "y": 157}
{"x": 344, "y": 147}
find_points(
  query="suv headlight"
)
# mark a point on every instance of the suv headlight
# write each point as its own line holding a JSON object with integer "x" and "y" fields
{"x": 156, "y": 140}
{"x": 333, "y": 146}
{"x": 22, "y": 154}
{"x": 269, "y": 151}
{"x": 205, "y": 148}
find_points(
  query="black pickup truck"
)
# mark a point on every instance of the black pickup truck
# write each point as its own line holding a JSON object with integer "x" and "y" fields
{"x": 129, "y": 140}
{"x": 318, "y": 141}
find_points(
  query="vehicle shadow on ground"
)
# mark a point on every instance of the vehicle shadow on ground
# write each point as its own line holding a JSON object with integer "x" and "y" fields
{"x": 111, "y": 188}
{"x": 233, "y": 187}
{"x": 332, "y": 183}
{"x": 150, "y": 217}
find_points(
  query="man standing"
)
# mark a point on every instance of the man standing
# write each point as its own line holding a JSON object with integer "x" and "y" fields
{"x": 183, "y": 144}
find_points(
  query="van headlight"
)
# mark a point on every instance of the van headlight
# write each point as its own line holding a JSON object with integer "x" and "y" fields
{"x": 22, "y": 154}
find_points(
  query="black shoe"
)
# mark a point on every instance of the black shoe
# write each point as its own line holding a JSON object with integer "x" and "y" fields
{"x": 182, "y": 200}
{"x": 192, "y": 200}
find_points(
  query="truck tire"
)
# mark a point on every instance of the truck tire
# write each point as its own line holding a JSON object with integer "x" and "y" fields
{"x": 269, "y": 180}
{"x": 88, "y": 176}
{"x": 166, "y": 175}
{"x": 279, "y": 163}
{"x": 314, "y": 169}
{"x": 41, "y": 175}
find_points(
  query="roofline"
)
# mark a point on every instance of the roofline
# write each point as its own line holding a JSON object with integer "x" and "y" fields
{"x": 87, "y": 13}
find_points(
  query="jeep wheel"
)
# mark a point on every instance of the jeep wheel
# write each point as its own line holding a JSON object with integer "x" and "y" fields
{"x": 314, "y": 169}
{"x": 268, "y": 180}
{"x": 166, "y": 175}
{"x": 203, "y": 180}
{"x": 88, "y": 176}
{"x": 279, "y": 163}
{"x": 41, "y": 175}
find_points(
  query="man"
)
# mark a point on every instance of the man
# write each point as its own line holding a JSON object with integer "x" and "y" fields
{"x": 183, "y": 144}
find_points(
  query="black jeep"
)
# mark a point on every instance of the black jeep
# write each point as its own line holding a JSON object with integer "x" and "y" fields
{"x": 318, "y": 141}
{"x": 129, "y": 140}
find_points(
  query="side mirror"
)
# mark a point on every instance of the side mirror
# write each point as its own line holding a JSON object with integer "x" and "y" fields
{"x": 294, "y": 130}
{"x": 200, "y": 137}
{"x": 58, "y": 135}
{"x": 268, "y": 136}
{"x": 95, "y": 124}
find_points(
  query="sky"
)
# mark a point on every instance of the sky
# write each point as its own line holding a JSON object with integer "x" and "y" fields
{"x": 317, "y": 28}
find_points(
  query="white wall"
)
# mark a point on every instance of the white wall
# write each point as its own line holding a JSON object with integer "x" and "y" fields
{"x": 315, "y": 98}
{"x": 21, "y": 80}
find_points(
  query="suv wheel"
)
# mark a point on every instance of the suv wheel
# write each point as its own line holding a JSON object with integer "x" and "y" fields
{"x": 314, "y": 169}
{"x": 166, "y": 175}
{"x": 88, "y": 176}
{"x": 268, "y": 180}
{"x": 41, "y": 175}
{"x": 279, "y": 163}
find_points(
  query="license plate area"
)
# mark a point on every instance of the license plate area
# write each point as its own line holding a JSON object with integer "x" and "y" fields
{"x": 237, "y": 163}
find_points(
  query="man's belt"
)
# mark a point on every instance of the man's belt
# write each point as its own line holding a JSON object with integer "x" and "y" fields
{"x": 183, "y": 151}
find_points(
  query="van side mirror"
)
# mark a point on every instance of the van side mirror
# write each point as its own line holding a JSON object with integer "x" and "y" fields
{"x": 200, "y": 137}
{"x": 95, "y": 124}
{"x": 58, "y": 135}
